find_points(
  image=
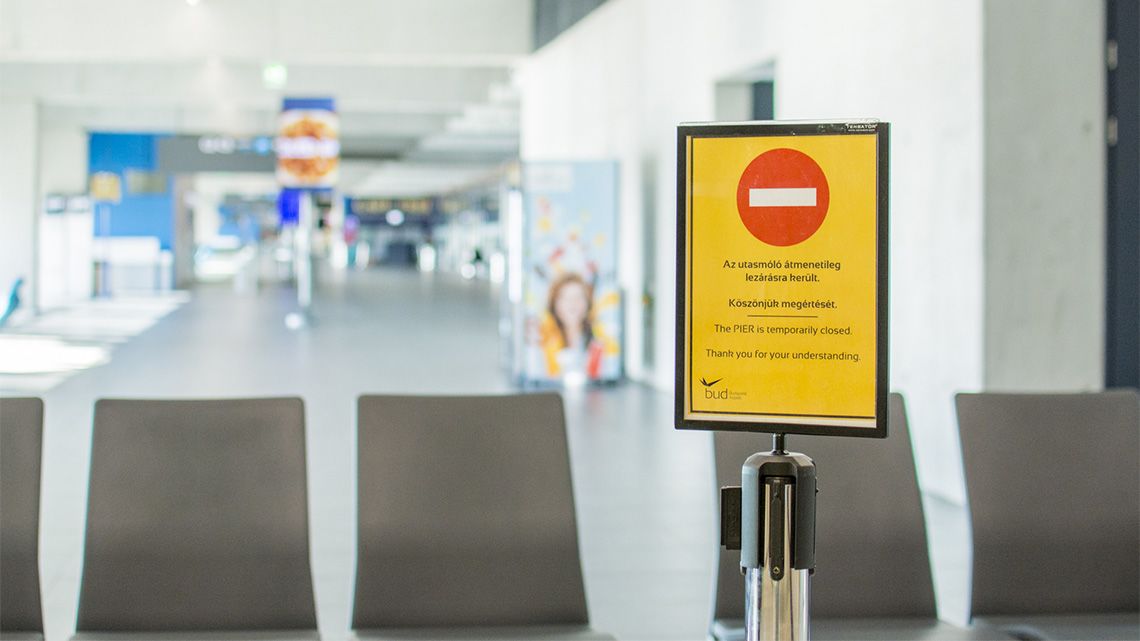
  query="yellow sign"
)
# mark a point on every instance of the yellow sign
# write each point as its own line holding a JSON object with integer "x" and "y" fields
{"x": 106, "y": 186}
{"x": 782, "y": 278}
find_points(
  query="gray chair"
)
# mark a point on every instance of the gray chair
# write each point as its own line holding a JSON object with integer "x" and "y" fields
{"x": 466, "y": 520}
{"x": 1054, "y": 494}
{"x": 873, "y": 577}
{"x": 21, "y": 444}
{"x": 197, "y": 521}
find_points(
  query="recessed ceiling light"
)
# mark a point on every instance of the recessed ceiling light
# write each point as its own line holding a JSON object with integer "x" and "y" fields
{"x": 193, "y": 3}
{"x": 274, "y": 75}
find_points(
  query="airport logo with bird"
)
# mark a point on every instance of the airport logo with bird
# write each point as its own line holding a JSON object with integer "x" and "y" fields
{"x": 710, "y": 392}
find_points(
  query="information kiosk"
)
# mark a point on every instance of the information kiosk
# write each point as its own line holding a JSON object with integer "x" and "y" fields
{"x": 781, "y": 325}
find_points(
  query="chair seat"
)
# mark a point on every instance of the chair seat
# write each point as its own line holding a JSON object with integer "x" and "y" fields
{"x": 21, "y": 636}
{"x": 197, "y": 522}
{"x": 465, "y": 520}
{"x": 236, "y": 635}
{"x": 1104, "y": 627}
{"x": 876, "y": 630}
{"x": 520, "y": 633}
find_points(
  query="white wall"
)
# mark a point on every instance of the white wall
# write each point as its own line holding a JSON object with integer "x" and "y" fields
{"x": 917, "y": 65}
{"x": 62, "y": 157}
{"x": 582, "y": 101}
{"x": 18, "y": 202}
{"x": 1045, "y": 212}
{"x": 64, "y": 246}
{"x": 617, "y": 84}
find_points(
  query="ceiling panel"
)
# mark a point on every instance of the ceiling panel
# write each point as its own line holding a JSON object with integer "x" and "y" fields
{"x": 423, "y": 87}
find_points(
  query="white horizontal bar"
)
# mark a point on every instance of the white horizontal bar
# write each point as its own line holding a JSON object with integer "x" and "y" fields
{"x": 782, "y": 197}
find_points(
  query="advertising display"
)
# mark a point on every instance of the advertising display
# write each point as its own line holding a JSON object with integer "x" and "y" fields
{"x": 572, "y": 309}
{"x": 308, "y": 143}
{"x": 781, "y": 280}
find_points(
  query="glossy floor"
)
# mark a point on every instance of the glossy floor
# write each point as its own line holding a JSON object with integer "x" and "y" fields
{"x": 644, "y": 492}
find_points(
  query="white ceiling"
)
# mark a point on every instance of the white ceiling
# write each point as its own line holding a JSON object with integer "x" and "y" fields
{"x": 423, "y": 86}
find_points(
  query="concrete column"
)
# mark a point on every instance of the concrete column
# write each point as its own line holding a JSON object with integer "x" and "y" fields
{"x": 63, "y": 261}
{"x": 1044, "y": 194}
{"x": 19, "y": 206}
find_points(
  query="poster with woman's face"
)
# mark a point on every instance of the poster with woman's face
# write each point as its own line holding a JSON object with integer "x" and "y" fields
{"x": 572, "y": 306}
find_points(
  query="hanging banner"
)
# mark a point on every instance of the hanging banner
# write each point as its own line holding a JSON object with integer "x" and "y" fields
{"x": 572, "y": 308}
{"x": 782, "y": 278}
{"x": 308, "y": 143}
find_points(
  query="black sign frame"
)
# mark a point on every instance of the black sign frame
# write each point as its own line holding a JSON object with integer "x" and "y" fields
{"x": 881, "y": 130}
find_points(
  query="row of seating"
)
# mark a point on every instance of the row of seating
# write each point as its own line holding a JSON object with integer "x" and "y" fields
{"x": 197, "y": 520}
{"x": 1053, "y": 484}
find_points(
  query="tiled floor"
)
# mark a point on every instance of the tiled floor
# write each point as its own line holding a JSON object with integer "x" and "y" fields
{"x": 644, "y": 492}
{"x": 41, "y": 352}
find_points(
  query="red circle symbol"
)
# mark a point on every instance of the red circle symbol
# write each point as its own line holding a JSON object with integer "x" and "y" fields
{"x": 782, "y": 197}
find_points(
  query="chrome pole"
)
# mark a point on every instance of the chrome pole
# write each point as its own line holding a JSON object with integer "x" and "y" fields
{"x": 777, "y": 554}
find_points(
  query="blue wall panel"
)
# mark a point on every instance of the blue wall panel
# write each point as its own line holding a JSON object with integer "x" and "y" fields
{"x": 135, "y": 214}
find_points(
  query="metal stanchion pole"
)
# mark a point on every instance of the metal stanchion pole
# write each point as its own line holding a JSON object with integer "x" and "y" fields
{"x": 302, "y": 264}
{"x": 104, "y": 280}
{"x": 303, "y": 252}
{"x": 781, "y": 325}
{"x": 777, "y": 542}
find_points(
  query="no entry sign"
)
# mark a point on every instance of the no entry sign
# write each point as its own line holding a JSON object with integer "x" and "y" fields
{"x": 781, "y": 278}
{"x": 782, "y": 197}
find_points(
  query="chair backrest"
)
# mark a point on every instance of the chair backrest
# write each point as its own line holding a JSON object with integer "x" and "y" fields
{"x": 466, "y": 513}
{"x": 21, "y": 444}
{"x": 1054, "y": 498}
{"x": 871, "y": 554}
{"x": 197, "y": 517}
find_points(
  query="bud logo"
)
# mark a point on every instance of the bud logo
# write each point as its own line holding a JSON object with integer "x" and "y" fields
{"x": 711, "y": 393}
